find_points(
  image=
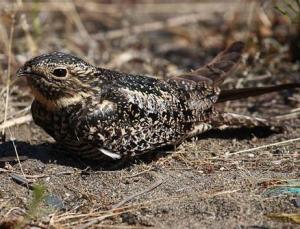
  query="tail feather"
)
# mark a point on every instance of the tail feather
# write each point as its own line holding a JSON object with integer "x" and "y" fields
{"x": 219, "y": 68}
{"x": 227, "y": 95}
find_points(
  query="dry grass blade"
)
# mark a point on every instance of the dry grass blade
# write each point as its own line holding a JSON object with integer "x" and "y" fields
{"x": 16, "y": 121}
{"x": 77, "y": 21}
{"x": 96, "y": 217}
{"x": 153, "y": 26}
{"x": 127, "y": 199}
{"x": 295, "y": 110}
{"x": 18, "y": 113}
{"x": 291, "y": 115}
{"x": 97, "y": 220}
{"x": 264, "y": 147}
{"x": 17, "y": 155}
{"x": 30, "y": 41}
{"x": 9, "y": 69}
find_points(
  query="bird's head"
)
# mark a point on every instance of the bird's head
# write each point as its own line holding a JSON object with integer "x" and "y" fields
{"x": 58, "y": 79}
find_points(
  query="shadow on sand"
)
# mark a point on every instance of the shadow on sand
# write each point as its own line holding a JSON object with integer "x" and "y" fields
{"x": 52, "y": 153}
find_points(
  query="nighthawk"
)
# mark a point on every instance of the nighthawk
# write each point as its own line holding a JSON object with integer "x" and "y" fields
{"x": 93, "y": 111}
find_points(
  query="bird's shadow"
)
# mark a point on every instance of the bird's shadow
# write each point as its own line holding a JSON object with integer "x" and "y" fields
{"x": 49, "y": 153}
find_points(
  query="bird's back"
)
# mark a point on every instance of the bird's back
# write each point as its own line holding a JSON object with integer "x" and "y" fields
{"x": 134, "y": 113}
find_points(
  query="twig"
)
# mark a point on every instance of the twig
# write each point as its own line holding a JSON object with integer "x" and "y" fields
{"x": 22, "y": 211}
{"x": 127, "y": 199}
{"x": 152, "y": 26}
{"x": 288, "y": 116}
{"x": 74, "y": 15}
{"x": 30, "y": 41}
{"x": 8, "y": 69}
{"x": 4, "y": 89}
{"x": 77, "y": 20}
{"x": 16, "y": 121}
{"x": 20, "y": 180}
{"x": 17, "y": 155}
{"x": 160, "y": 8}
{"x": 73, "y": 216}
{"x": 264, "y": 146}
{"x": 19, "y": 112}
{"x": 295, "y": 110}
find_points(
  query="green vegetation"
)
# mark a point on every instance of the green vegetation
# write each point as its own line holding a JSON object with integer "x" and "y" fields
{"x": 291, "y": 9}
{"x": 33, "y": 209}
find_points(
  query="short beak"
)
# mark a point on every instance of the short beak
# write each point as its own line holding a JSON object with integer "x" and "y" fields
{"x": 20, "y": 72}
{"x": 24, "y": 71}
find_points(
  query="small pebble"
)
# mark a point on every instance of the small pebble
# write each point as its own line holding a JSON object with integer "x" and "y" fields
{"x": 277, "y": 162}
{"x": 296, "y": 202}
{"x": 67, "y": 194}
{"x": 55, "y": 202}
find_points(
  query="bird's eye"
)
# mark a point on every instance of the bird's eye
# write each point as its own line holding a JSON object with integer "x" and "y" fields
{"x": 60, "y": 72}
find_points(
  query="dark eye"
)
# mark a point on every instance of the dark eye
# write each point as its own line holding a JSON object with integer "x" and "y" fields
{"x": 60, "y": 72}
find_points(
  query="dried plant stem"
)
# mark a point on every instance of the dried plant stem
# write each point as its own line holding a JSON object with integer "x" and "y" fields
{"x": 8, "y": 69}
{"x": 18, "y": 158}
{"x": 90, "y": 219}
{"x": 16, "y": 121}
{"x": 127, "y": 199}
{"x": 264, "y": 146}
{"x": 152, "y": 26}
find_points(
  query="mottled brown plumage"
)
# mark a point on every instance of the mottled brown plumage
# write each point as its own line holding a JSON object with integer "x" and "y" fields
{"x": 94, "y": 111}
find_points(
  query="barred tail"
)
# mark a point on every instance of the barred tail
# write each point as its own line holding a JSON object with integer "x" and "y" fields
{"x": 227, "y": 95}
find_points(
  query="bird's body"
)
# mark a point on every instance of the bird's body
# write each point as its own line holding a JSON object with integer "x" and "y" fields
{"x": 94, "y": 111}
{"x": 129, "y": 114}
